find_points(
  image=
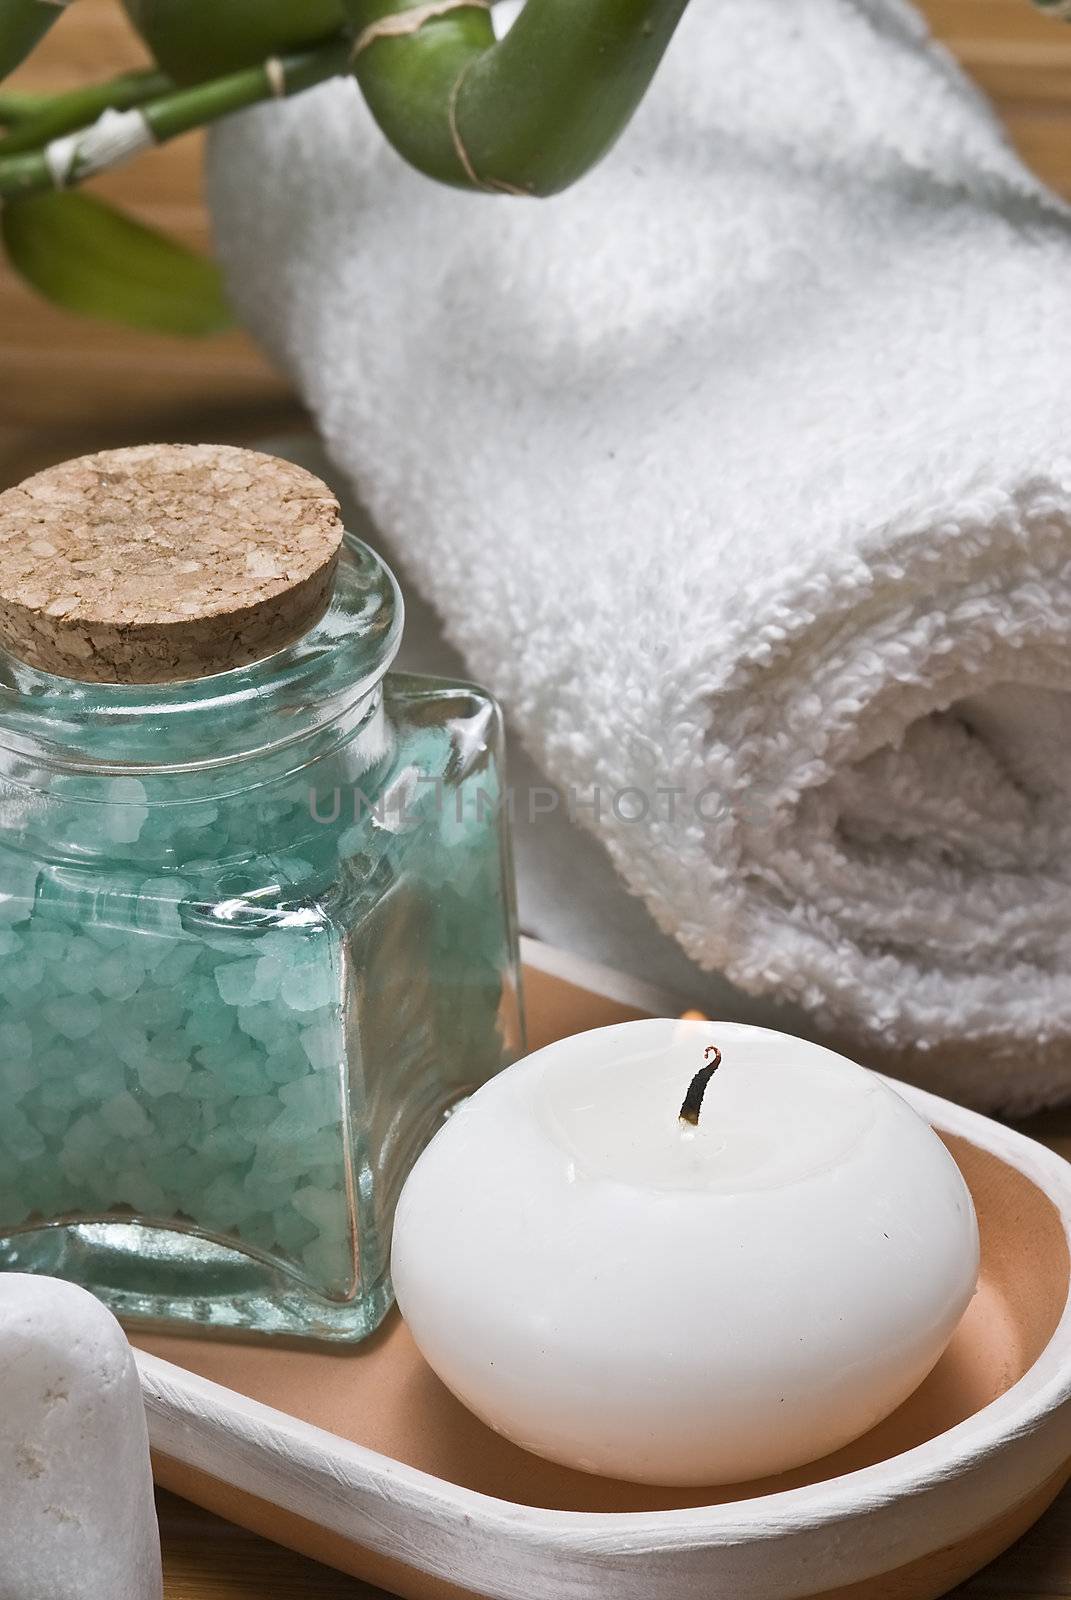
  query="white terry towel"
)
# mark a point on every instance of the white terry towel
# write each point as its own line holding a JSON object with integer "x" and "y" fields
{"x": 741, "y": 470}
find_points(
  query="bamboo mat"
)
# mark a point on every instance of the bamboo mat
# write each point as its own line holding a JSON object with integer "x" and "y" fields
{"x": 206, "y": 1559}
{"x": 67, "y": 386}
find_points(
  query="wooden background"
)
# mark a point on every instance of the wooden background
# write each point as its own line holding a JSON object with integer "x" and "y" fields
{"x": 67, "y": 386}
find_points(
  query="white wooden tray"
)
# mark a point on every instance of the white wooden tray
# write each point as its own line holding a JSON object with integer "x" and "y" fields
{"x": 363, "y": 1460}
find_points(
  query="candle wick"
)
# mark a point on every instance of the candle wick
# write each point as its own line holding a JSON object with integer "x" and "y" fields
{"x": 693, "y": 1100}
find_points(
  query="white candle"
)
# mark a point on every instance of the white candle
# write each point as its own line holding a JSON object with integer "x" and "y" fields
{"x": 625, "y": 1292}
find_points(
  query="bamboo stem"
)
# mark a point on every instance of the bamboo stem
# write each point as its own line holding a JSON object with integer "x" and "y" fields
{"x": 17, "y": 108}
{"x": 60, "y": 113}
{"x": 180, "y": 110}
{"x": 529, "y": 114}
{"x": 184, "y": 109}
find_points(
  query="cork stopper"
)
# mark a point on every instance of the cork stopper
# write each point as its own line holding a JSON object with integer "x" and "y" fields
{"x": 163, "y": 562}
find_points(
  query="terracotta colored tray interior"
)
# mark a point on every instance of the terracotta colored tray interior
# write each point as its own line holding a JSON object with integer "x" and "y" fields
{"x": 382, "y": 1395}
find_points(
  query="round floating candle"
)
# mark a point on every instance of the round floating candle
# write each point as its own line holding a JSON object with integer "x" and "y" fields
{"x": 684, "y": 1252}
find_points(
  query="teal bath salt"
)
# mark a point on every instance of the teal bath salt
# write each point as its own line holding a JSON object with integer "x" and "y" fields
{"x": 256, "y": 914}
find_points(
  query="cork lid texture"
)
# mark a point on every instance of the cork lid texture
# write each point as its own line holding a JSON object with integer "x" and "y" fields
{"x": 160, "y": 563}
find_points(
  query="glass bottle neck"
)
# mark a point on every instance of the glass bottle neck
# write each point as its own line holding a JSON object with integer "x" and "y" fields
{"x": 219, "y": 735}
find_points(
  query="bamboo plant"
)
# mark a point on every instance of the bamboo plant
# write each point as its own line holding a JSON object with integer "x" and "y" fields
{"x": 525, "y": 115}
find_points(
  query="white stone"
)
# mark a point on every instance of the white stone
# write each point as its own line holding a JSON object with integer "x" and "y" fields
{"x": 78, "y": 1519}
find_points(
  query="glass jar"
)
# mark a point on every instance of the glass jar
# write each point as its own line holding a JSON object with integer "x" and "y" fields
{"x": 256, "y": 940}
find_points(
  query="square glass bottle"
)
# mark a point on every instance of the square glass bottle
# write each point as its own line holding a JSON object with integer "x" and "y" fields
{"x": 256, "y": 939}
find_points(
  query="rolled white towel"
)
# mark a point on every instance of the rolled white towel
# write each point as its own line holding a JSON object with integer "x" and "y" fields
{"x": 741, "y": 470}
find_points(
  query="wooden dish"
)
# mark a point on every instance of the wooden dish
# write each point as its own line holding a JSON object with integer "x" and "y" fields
{"x": 363, "y": 1460}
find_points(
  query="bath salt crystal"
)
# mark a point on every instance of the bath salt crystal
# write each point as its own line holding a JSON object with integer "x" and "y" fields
{"x": 226, "y": 1202}
{"x": 155, "y": 949}
{"x": 254, "y": 1112}
{"x": 177, "y": 962}
{"x": 130, "y": 1042}
{"x": 323, "y": 1177}
{"x": 170, "y": 1045}
{"x": 201, "y": 815}
{"x": 123, "y": 1115}
{"x": 321, "y": 1207}
{"x": 266, "y": 978}
{"x": 293, "y": 1232}
{"x": 18, "y": 878}
{"x": 308, "y": 985}
{"x": 204, "y": 1086}
{"x": 246, "y": 1075}
{"x": 18, "y": 976}
{"x": 106, "y": 935}
{"x": 266, "y": 1187}
{"x": 260, "y": 1022}
{"x": 135, "y": 1188}
{"x": 159, "y": 1075}
{"x": 322, "y": 1044}
{"x": 283, "y": 870}
{"x": 102, "y": 1081}
{"x": 60, "y": 1092}
{"x": 217, "y": 1057}
{"x": 310, "y": 1102}
{"x": 174, "y": 1121}
{"x": 158, "y": 905}
{"x": 78, "y": 971}
{"x": 48, "y": 943}
{"x": 16, "y": 1041}
{"x": 85, "y": 1136}
{"x": 283, "y": 1067}
{"x": 19, "y": 1136}
{"x": 118, "y": 976}
{"x": 125, "y": 813}
{"x": 260, "y": 1230}
{"x": 209, "y": 1025}
{"x": 227, "y": 1145}
{"x": 156, "y": 1009}
{"x": 244, "y": 983}
{"x": 17, "y": 1076}
{"x": 75, "y": 1017}
{"x": 284, "y": 1041}
{"x": 79, "y": 1522}
{"x": 329, "y": 1261}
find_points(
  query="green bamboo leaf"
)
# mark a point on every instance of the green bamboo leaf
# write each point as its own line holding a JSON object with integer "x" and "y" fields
{"x": 87, "y": 257}
{"x": 23, "y": 24}
{"x": 194, "y": 40}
